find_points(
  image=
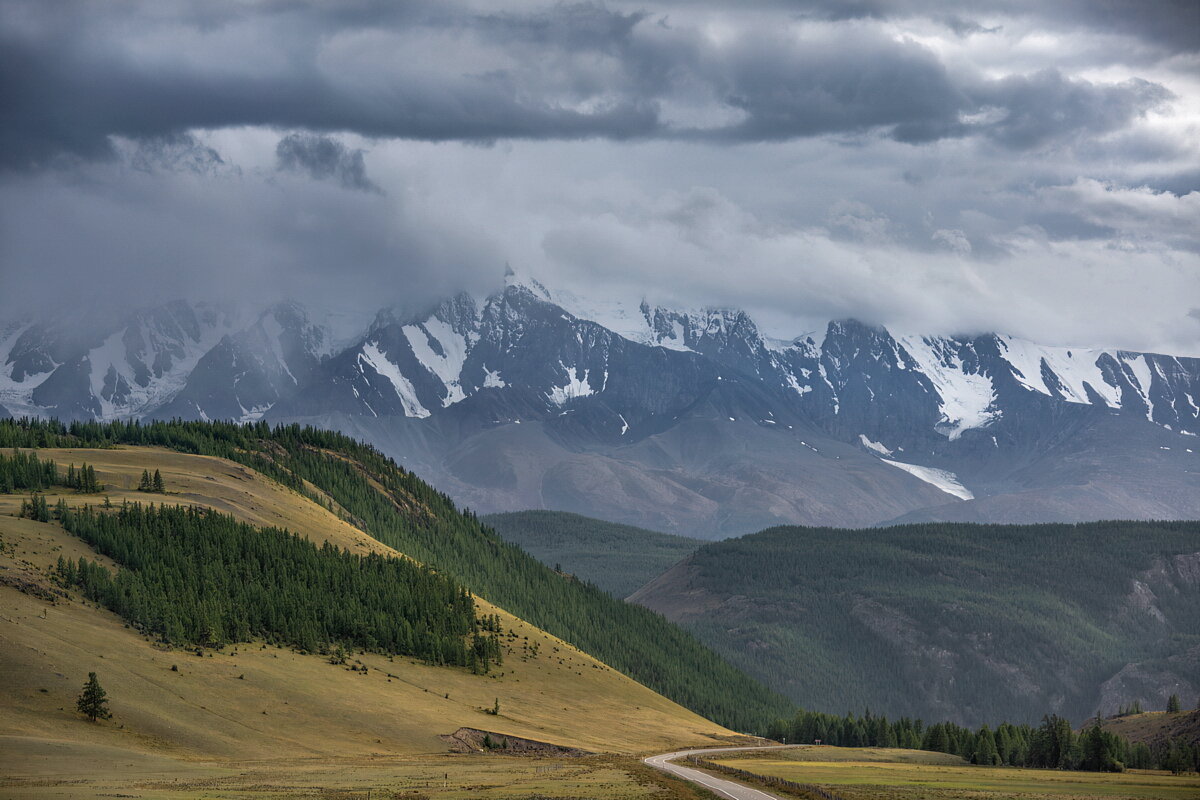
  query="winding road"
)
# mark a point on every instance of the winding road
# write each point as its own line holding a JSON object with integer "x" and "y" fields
{"x": 723, "y": 787}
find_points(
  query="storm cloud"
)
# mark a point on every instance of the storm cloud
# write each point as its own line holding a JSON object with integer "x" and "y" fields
{"x": 1015, "y": 165}
{"x": 77, "y": 73}
{"x": 324, "y": 158}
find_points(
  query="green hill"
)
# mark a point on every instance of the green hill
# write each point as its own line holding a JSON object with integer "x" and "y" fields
{"x": 200, "y": 617}
{"x": 620, "y": 559}
{"x": 972, "y": 623}
{"x": 403, "y": 512}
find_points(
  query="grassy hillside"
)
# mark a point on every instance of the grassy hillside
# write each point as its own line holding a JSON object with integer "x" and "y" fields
{"x": 397, "y": 509}
{"x": 213, "y": 705}
{"x": 620, "y": 559}
{"x": 256, "y": 720}
{"x": 973, "y": 623}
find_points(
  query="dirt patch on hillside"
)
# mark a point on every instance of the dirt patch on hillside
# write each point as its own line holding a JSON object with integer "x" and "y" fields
{"x": 473, "y": 740}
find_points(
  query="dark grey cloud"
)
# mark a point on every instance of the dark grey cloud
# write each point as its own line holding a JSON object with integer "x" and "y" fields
{"x": 324, "y": 158}
{"x": 71, "y": 79}
{"x": 73, "y": 75}
{"x": 945, "y": 165}
{"x": 177, "y": 152}
{"x": 845, "y": 83}
{"x": 1047, "y": 105}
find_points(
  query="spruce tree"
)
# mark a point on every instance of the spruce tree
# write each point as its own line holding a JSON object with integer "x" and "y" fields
{"x": 1173, "y": 706}
{"x": 159, "y": 486}
{"x": 93, "y": 701}
{"x": 985, "y": 748}
{"x": 144, "y": 483}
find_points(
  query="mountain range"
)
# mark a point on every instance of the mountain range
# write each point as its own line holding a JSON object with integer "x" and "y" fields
{"x": 684, "y": 421}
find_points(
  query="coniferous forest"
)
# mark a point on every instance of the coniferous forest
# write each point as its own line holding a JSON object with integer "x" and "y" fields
{"x": 195, "y": 576}
{"x": 26, "y": 471}
{"x": 1053, "y": 744}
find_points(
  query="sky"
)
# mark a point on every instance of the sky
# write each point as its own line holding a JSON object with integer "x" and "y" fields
{"x": 1017, "y": 166}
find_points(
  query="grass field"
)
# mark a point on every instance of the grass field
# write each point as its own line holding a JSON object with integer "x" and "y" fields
{"x": 239, "y": 721}
{"x": 882, "y": 774}
{"x": 105, "y": 773}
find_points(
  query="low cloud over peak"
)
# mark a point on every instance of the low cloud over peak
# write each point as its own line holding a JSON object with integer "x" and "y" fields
{"x": 973, "y": 162}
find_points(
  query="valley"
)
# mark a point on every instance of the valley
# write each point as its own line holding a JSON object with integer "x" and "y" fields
{"x": 251, "y": 717}
{"x": 599, "y": 400}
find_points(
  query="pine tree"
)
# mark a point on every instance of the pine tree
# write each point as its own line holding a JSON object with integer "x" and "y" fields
{"x": 89, "y": 479}
{"x": 93, "y": 702}
{"x": 144, "y": 483}
{"x": 985, "y": 748}
{"x": 159, "y": 486}
{"x": 1173, "y": 706}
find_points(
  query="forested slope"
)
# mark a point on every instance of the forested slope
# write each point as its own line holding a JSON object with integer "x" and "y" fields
{"x": 971, "y": 623}
{"x": 620, "y": 559}
{"x": 403, "y": 512}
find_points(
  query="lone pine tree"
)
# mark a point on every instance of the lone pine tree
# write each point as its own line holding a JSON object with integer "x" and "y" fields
{"x": 1173, "y": 706}
{"x": 93, "y": 701}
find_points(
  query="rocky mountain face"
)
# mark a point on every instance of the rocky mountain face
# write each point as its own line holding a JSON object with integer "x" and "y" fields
{"x": 685, "y": 421}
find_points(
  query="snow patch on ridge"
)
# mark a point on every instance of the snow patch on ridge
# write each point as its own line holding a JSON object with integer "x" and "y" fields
{"x": 374, "y": 358}
{"x": 492, "y": 380}
{"x": 1140, "y": 367}
{"x": 876, "y": 446}
{"x": 942, "y": 479}
{"x": 449, "y": 365}
{"x": 1075, "y": 369}
{"x": 965, "y": 398}
{"x": 113, "y": 356}
{"x": 576, "y": 386}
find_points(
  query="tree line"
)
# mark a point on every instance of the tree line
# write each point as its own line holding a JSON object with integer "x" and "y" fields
{"x": 1053, "y": 744}
{"x": 192, "y": 576}
{"x": 25, "y": 471}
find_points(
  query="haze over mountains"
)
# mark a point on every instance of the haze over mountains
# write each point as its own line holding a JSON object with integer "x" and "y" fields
{"x": 687, "y": 421}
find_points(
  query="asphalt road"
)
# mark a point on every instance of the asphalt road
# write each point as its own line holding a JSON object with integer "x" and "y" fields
{"x": 722, "y": 787}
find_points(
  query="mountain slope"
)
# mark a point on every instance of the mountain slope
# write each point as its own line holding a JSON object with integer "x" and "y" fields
{"x": 1157, "y": 728}
{"x": 965, "y": 622}
{"x": 204, "y": 709}
{"x": 399, "y": 510}
{"x": 618, "y": 558}
{"x": 691, "y": 421}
